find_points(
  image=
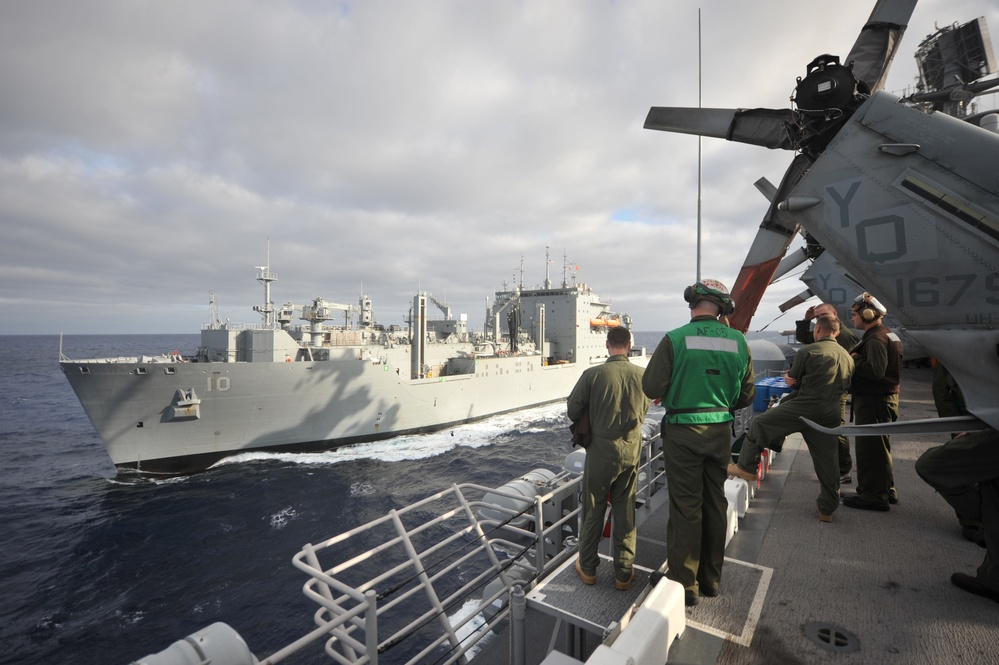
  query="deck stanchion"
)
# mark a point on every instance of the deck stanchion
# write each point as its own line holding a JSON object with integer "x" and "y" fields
{"x": 371, "y": 625}
{"x": 518, "y": 611}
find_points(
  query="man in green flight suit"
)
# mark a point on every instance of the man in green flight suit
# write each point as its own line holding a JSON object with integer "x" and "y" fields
{"x": 821, "y": 374}
{"x": 965, "y": 471}
{"x": 702, "y": 371}
{"x": 803, "y": 333}
{"x": 950, "y": 468}
{"x": 612, "y": 393}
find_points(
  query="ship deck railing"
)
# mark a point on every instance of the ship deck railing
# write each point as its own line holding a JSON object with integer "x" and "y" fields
{"x": 161, "y": 359}
{"x": 451, "y": 561}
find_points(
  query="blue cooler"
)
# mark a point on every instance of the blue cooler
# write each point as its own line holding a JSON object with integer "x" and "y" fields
{"x": 778, "y": 388}
{"x": 762, "y": 398}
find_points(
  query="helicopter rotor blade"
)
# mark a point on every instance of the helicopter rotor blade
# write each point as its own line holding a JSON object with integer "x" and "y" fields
{"x": 794, "y": 301}
{"x": 769, "y": 246}
{"x": 806, "y": 131}
{"x": 878, "y": 41}
{"x": 763, "y": 127}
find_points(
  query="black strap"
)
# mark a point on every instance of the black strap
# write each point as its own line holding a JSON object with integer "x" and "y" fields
{"x": 717, "y": 409}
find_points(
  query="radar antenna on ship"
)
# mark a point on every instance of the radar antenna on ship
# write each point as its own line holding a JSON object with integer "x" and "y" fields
{"x": 956, "y": 64}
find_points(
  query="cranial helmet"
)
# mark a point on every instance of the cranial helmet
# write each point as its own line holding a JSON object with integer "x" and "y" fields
{"x": 711, "y": 290}
{"x": 868, "y": 307}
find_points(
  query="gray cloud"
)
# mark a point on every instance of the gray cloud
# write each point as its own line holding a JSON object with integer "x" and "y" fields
{"x": 148, "y": 151}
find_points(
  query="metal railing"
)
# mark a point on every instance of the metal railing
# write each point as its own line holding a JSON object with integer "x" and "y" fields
{"x": 432, "y": 557}
{"x": 430, "y": 580}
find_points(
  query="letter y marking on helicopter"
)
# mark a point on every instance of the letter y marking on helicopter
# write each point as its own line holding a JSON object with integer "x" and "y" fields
{"x": 843, "y": 202}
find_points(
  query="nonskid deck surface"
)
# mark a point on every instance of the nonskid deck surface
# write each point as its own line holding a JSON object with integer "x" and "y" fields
{"x": 870, "y": 587}
{"x": 563, "y": 594}
{"x": 881, "y": 581}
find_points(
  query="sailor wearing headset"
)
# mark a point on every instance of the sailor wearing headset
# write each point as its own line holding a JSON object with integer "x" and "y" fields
{"x": 702, "y": 371}
{"x": 875, "y": 388}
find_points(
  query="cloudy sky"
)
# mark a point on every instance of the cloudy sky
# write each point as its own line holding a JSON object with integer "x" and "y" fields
{"x": 150, "y": 150}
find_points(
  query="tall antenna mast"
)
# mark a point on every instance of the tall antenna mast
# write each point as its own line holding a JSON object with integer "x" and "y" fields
{"x": 548, "y": 265}
{"x": 265, "y": 277}
{"x": 699, "y": 138}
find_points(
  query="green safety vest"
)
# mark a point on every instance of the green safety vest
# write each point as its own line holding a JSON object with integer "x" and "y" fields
{"x": 709, "y": 363}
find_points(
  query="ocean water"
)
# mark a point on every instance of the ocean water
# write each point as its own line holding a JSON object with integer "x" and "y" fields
{"x": 99, "y": 567}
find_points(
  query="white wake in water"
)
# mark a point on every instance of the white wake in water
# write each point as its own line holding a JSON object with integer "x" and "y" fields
{"x": 422, "y": 446}
{"x": 476, "y": 624}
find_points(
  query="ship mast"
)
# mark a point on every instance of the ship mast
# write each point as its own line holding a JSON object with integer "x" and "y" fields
{"x": 548, "y": 265}
{"x": 265, "y": 277}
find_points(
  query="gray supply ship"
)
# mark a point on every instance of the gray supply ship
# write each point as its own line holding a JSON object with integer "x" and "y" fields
{"x": 319, "y": 385}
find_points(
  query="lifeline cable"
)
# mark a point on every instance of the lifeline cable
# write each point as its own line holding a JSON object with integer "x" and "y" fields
{"x": 503, "y": 566}
{"x": 443, "y": 559}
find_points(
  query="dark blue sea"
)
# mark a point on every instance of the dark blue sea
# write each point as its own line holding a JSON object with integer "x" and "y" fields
{"x": 99, "y": 567}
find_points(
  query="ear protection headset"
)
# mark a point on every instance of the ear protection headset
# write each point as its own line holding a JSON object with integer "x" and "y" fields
{"x": 868, "y": 307}
{"x": 710, "y": 290}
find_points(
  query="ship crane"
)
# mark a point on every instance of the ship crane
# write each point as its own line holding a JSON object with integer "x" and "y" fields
{"x": 493, "y": 318}
{"x": 449, "y": 328}
{"x": 214, "y": 320}
{"x": 444, "y": 307}
{"x": 319, "y": 311}
{"x": 322, "y": 310}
